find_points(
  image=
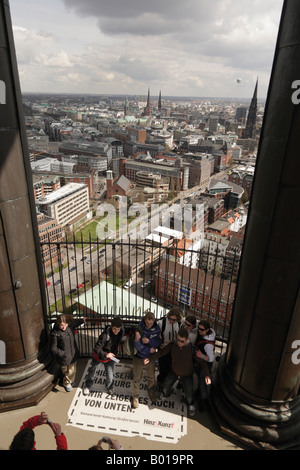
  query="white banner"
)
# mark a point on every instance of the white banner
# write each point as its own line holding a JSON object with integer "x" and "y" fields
{"x": 164, "y": 421}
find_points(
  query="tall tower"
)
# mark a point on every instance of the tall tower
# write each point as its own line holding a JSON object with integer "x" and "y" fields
{"x": 159, "y": 101}
{"x": 147, "y": 111}
{"x": 109, "y": 183}
{"x": 126, "y": 108}
{"x": 249, "y": 131}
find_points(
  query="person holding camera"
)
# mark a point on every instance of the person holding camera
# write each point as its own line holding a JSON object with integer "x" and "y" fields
{"x": 113, "y": 444}
{"x": 25, "y": 438}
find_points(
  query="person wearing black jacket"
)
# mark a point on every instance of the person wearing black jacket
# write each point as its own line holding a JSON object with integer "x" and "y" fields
{"x": 64, "y": 348}
{"x": 105, "y": 350}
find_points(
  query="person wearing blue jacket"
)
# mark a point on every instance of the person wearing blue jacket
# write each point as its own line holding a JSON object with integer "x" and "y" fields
{"x": 146, "y": 341}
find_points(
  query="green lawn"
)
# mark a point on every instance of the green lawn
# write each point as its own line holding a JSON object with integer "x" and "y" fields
{"x": 90, "y": 232}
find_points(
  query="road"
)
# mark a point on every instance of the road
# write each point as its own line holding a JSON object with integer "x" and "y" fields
{"x": 89, "y": 265}
{"x": 70, "y": 278}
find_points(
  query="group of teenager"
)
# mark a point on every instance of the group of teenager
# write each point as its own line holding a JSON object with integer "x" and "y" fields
{"x": 183, "y": 349}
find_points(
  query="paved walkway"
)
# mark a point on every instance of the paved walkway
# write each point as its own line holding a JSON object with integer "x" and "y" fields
{"x": 202, "y": 432}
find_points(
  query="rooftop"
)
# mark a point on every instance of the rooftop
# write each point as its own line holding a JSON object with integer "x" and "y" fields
{"x": 64, "y": 191}
{"x": 107, "y": 298}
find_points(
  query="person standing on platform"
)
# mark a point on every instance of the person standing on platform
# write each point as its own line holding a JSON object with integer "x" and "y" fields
{"x": 205, "y": 352}
{"x": 64, "y": 348}
{"x": 169, "y": 326}
{"x": 191, "y": 324}
{"x": 182, "y": 367}
{"x": 147, "y": 340}
{"x": 105, "y": 352}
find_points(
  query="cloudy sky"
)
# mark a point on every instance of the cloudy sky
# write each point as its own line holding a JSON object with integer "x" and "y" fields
{"x": 183, "y": 48}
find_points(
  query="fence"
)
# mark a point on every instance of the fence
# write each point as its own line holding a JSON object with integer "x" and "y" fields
{"x": 103, "y": 279}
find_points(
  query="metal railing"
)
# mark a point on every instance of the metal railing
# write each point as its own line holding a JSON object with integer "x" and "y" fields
{"x": 102, "y": 279}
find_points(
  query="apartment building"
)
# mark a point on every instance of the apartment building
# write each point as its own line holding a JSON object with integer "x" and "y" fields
{"x": 49, "y": 231}
{"x": 137, "y": 134}
{"x": 243, "y": 176}
{"x": 96, "y": 155}
{"x": 49, "y": 164}
{"x": 175, "y": 175}
{"x": 65, "y": 204}
{"x": 195, "y": 291}
{"x": 44, "y": 184}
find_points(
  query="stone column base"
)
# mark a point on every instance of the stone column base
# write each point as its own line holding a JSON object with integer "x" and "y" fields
{"x": 25, "y": 385}
{"x": 258, "y": 425}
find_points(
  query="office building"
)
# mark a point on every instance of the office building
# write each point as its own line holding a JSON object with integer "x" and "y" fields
{"x": 65, "y": 204}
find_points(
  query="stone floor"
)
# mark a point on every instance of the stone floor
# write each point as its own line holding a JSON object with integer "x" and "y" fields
{"x": 202, "y": 431}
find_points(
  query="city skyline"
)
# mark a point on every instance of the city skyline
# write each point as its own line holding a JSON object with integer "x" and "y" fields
{"x": 214, "y": 50}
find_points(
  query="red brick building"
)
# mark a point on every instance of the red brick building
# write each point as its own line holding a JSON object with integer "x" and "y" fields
{"x": 202, "y": 294}
{"x": 118, "y": 187}
{"x": 49, "y": 231}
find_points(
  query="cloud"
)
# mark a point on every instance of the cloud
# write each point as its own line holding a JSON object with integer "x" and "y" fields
{"x": 196, "y": 47}
{"x": 243, "y": 34}
{"x": 59, "y": 59}
{"x": 31, "y": 43}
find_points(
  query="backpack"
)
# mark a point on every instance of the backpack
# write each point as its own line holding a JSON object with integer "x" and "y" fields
{"x": 163, "y": 326}
{"x": 128, "y": 346}
{"x": 200, "y": 344}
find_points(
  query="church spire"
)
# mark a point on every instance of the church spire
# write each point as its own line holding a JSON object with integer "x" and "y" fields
{"x": 147, "y": 111}
{"x": 159, "y": 101}
{"x": 249, "y": 131}
{"x": 126, "y": 108}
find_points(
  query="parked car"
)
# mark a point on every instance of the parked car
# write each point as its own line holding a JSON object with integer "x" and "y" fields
{"x": 153, "y": 299}
{"x": 80, "y": 285}
{"x": 89, "y": 261}
{"x": 57, "y": 282}
{"x": 47, "y": 283}
{"x": 84, "y": 258}
{"x": 72, "y": 269}
{"x": 72, "y": 291}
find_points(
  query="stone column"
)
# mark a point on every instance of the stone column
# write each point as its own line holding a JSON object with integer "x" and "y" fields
{"x": 255, "y": 396}
{"x": 27, "y": 371}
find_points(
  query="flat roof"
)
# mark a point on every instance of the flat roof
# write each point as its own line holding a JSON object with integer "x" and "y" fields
{"x": 168, "y": 232}
{"x": 108, "y": 299}
{"x": 157, "y": 238}
{"x": 60, "y": 193}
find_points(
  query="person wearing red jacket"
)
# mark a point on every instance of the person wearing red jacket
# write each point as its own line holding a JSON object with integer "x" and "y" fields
{"x": 25, "y": 438}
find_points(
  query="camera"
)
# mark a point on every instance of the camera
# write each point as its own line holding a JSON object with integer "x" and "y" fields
{"x": 106, "y": 440}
